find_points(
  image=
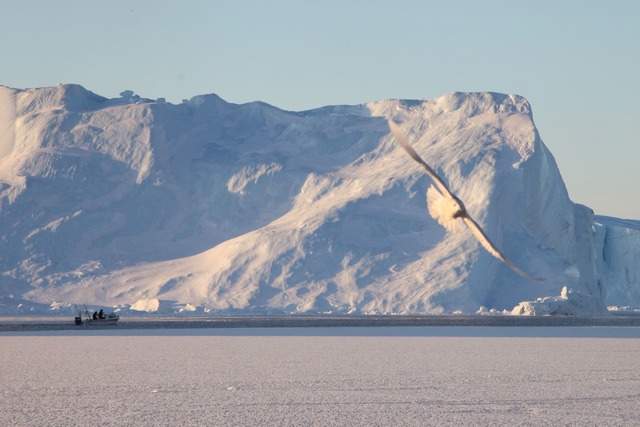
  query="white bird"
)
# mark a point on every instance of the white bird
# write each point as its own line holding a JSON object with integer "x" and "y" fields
{"x": 446, "y": 207}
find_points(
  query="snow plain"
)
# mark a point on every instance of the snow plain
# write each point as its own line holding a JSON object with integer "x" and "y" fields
{"x": 322, "y": 376}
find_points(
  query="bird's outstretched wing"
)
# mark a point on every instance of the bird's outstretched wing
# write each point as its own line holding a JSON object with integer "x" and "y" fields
{"x": 491, "y": 248}
{"x": 404, "y": 143}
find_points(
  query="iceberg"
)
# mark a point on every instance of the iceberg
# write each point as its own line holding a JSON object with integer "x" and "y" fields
{"x": 248, "y": 208}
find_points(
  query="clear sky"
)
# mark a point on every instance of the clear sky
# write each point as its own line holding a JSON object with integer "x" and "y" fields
{"x": 577, "y": 62}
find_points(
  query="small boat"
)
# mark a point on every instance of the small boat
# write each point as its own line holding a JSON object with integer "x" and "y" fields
{"x": 97, "y": 318}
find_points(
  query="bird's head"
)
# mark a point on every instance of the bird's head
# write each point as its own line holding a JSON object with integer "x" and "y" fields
{"x": 458, "y": 208}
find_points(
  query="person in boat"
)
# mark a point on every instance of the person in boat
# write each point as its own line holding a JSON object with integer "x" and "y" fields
{"x": 95, "y": 315}
{"x": 100, "y": 314}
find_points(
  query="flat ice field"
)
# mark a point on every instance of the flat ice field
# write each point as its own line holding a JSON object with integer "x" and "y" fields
{"x": 411, "y": 376}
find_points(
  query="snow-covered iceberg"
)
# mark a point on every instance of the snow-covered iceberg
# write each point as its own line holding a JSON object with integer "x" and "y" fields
{"x": 567, "y": 303}
{"x": 252, "y": 208}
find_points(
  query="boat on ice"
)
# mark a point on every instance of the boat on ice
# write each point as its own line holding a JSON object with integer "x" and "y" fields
{"x": 97, "y": 318}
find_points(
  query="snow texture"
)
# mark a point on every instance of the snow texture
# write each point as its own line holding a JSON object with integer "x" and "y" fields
{"x": 210, "y": 207}
{"x": 356, "y": 377}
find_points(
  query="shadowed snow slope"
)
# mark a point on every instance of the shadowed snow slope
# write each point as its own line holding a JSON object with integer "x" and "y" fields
{"x": 248, "y": 207}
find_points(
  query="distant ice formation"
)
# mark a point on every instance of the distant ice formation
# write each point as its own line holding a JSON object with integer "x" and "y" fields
{"x": 213, "y": 207}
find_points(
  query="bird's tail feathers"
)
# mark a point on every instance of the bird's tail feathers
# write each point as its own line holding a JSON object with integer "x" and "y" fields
{"x": 437, "y": 204}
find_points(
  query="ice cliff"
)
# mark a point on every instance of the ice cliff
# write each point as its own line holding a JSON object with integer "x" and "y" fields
{"x": 212, "y": 206}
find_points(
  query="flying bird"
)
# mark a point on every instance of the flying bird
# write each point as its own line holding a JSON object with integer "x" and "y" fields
{"x": 447, "y": 208}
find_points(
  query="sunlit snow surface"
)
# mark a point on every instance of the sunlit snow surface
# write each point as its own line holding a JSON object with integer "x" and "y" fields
{"x": 322, "y": 376}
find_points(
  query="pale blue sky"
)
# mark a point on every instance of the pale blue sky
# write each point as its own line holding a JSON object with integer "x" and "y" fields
{"x": 577, "y": 62}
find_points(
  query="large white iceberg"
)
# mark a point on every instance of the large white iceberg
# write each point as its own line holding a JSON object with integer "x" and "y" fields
{"x": 254, "y": 209}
